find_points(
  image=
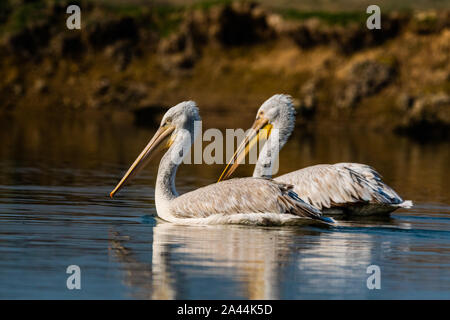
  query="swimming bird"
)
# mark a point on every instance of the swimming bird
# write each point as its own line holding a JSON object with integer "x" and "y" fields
{"x": 232, "y": 201}
{"x": 341, "y": 188}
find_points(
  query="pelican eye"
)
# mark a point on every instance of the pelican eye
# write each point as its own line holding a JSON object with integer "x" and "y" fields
{"x": 259, "y": 115}
{"x": 166, "y": 123}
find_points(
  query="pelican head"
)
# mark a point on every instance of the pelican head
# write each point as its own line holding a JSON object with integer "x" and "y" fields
{"x": 176, "y": 123}
{"x": 181, "y": 116}
{"x": 277, "y": 112}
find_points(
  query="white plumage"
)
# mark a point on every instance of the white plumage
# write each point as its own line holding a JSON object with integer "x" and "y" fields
{"x": 344, "y": 187}
{"x": 334, "y": 188}
{"x": 236, "y": 197}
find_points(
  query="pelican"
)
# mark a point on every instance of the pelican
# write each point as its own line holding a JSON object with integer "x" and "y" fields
{"x": 341, "y": 188}
{"x": 232, "y": 201}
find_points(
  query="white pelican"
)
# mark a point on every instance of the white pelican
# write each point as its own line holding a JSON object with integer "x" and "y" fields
{"x": 245, "y": 200}
{"x": 339, "y": 188}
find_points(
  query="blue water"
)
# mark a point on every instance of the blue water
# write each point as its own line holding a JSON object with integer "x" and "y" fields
{"x": 55, "y": 212}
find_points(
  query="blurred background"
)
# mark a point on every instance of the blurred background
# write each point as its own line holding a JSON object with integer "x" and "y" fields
{"x": 138, "y": 56}
{"x": 77, "y": 106}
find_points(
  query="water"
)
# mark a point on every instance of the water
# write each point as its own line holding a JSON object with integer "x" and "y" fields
{"x": 55, "y": 176}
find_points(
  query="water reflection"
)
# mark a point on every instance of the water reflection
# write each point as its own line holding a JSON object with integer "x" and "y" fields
{"x": 283, "y": 263}
{"x": 255, "y": 257}
{"x": 56, "y": 174}
{"x": 49, "y": 151}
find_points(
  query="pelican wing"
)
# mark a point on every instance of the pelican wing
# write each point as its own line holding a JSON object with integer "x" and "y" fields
{"x": 340, "y": 184}
{"x": 243, "y": 195}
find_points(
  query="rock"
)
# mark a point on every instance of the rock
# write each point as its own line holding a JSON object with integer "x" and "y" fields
{"x": 429, "y": 117}
{"x": 102, "y": 34}
{"x": 176, "y": 61}
{"x": 229, "y": 25}
{"x": 123, "y": 52}
{"x": 40, "y": 86}
{"x": 180, "y": 50}
{"x": 175, "y": 43}
{"x": 124, "y": 94}
{"x": 310, "y": 33}
{"x": 241, "y": 23}
{"x": 405, "y": 101}
{"x": 70, "y": 45}
{"x": 102, "y": 87}
{"x": 21, "y": 43}
{"x": 277, "y": 23}
{"x": 18, "y": 89}
{"x": 428, "y": 22}
{"x": 308, "y": 101}
{"x": 347, "y": 39}
{"x": 364, "y": 79}
{"x": 26, "y": 43}
{"x": 135, "y": 93}
{"x": 431, "y": 107}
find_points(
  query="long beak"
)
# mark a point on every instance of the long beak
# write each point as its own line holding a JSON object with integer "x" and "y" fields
{"x": 252, "y": 137}
{"x": 142, "y": 160}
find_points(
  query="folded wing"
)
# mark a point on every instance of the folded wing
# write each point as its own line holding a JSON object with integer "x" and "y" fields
{"x": 243, "y": 195}
{"x": 325, "y": 186}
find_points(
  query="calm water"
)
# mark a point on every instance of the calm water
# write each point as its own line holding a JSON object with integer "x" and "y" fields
{"x": 55, "y": 176}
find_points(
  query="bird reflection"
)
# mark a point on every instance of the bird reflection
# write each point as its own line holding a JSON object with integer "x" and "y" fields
{"x": 244, "y": 262}
{"x": 254, "y": 255}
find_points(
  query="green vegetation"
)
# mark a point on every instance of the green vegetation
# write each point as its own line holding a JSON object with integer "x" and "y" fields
{"x": 207, "y": 4}
{"x": 17, "y": 18}
{"x": 130, "y": 10}
{"x": 341, "y": 18}
{"x": 166, "y": 19}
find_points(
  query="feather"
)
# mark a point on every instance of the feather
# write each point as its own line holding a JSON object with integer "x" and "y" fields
{"x": 342, "y": 185}
{"x": 243, "y": 195}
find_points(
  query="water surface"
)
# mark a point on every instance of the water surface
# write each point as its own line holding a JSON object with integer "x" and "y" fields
{"x": 56, "y": 174}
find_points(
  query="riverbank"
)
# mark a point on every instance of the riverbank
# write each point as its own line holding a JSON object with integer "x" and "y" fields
{"x": 230, "y": 55}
